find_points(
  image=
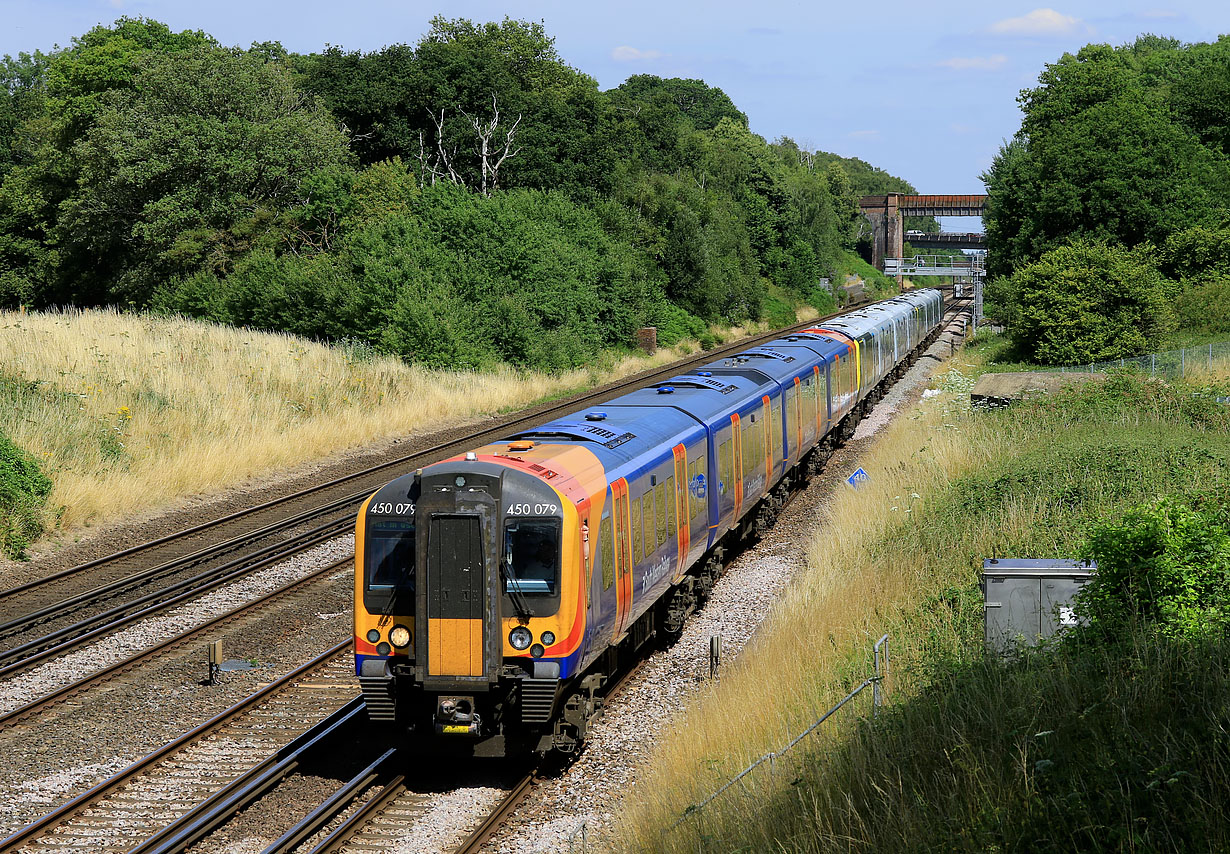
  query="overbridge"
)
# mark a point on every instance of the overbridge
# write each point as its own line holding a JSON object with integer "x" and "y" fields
{"x": 886, "y": 212}
{"x": 946, "y": 240}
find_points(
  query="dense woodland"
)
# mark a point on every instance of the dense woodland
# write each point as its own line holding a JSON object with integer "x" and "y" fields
{"x": 466, "y": 200}
{"x": 1108, "y": 221}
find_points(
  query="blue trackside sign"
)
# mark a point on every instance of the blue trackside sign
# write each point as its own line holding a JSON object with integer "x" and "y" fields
{"x": 858, "y": 478}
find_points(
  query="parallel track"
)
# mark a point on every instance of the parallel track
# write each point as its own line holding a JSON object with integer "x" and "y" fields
{"x": 189, "y": 770}
{"x": 51, "y": 616}
{"x": 170, "y": 645}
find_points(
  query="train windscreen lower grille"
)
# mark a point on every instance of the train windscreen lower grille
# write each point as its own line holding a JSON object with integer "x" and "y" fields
{"x": 537, "y": 700}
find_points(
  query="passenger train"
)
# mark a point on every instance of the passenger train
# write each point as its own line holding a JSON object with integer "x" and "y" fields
{"x": 497, "y": 591}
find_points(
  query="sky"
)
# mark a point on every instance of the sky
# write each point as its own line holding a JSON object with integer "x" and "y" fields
{"x": 926, "y": 90}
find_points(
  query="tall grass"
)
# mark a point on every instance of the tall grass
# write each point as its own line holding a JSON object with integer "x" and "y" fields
{"x": 130, "y": 413}
{"x": 901, "y": 554}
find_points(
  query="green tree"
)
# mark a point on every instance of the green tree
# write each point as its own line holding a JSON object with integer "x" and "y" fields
{"x": 1113, "y": 145}
{"x": 206, "y": 141}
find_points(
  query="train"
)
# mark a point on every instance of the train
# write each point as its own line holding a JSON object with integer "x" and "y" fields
{"x": 497, "y": 592}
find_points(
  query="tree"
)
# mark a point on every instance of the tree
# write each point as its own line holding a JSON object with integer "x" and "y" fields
{"x": 1113, "y": 146}
{"x": 206, "y": 139}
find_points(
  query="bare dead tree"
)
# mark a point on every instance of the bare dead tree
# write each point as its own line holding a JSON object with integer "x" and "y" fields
{"x": 437, "y": 165}
{"x": 492, "y": 156}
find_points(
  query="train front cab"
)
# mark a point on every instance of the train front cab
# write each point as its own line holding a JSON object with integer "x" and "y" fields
{"x": 480, "y": 562}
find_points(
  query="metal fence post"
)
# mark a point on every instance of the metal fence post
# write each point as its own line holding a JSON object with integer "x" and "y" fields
{"x": 877, "y": 698}
{"x": 1153, "y": 365}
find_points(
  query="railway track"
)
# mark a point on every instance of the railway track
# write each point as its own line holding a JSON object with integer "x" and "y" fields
{"x": 164, "y": 794}
{"x": 303, "y": 586}
{"x": 51, "y": 616}
{"x": 367, "y": 813}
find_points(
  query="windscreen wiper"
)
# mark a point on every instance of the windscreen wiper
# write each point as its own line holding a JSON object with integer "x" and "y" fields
{"x": 514, "y": 592}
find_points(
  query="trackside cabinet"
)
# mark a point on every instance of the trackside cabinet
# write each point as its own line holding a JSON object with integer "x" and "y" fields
{"x": 1025, "y": 600}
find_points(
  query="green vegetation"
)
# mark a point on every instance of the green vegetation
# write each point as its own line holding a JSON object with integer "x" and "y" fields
{"x": 1119, "y": 148}
{"x": 464, "y": 201}
{"x": 1110, "y": 738}
{"x": 23, "y": 493}
{"x": 1085, "y": 302}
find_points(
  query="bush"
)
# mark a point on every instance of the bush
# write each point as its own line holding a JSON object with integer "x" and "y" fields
{"x": 674, "y": 325}
{"x": 23, "y": 493}
{"x": 1087, "y": 302}
{"x": 1205, "y": 306}
{"x": 1163, "y": 567}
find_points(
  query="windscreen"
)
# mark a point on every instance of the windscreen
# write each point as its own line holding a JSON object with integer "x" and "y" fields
{"x": 390, "y": 555}
{"x": 532, "y": 563}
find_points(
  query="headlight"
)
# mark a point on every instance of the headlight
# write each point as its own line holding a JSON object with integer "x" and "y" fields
{"x": 520, "y": 637}
{"x": 373, "y": 635}
{"x": 537, "y": 650}
{"x": 399, "y": 637}
{"x": 383, "y": 649}
{"x": 548, "y": 638}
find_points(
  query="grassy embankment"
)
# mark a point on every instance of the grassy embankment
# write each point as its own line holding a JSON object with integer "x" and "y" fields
{"x": 130, "y": 413}
{"x": 1096, "y": 748}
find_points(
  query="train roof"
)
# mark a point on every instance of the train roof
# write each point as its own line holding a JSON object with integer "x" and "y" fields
{"x": 822, "y": 345}
{"x": 618, "y": 435}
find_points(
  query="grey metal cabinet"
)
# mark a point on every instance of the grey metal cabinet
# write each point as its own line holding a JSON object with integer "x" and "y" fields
{"x": 1025, "y": 600}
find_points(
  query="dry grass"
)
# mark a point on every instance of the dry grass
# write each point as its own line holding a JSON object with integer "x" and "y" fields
{"x": 833, "y": 614}
{"x": 132, "y": 412}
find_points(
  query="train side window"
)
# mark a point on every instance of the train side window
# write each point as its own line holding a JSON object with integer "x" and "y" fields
{"x": 725, "y": 472}
{"x": 636, "y": 531}
{"x": 608, "y": 552}
{"x": 792, "y": 417}
{"x": 672, "y": 501}
{"x": 693, "y": 470}
{"x": 648, "y": 521}
{"x": 775, "y": 430}
{"x": 659, "y": 495}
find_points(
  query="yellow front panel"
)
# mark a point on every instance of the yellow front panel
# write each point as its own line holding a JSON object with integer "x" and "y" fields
{"x": 455, "y": 647}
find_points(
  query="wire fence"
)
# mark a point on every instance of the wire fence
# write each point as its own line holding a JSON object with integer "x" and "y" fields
{"x": 1172, "y": 363}
{"x": 578, "y": 840}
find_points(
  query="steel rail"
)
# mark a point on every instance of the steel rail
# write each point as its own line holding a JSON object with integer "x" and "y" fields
{"x": 335, "y": 803}
{"x": 161, "y": 570}
{"x": 236, "y": 795}
{"x": 342, "y": 834}
{"x": 88, "y": 798}
{"x": 70, "y": 637}
{"x": 496, "y": 817}
{"x": 62, "y": 693}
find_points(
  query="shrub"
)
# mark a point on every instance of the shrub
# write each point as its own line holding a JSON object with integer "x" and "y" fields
{"x": 23, "y": 492}
{"x": 1087, "y": 302}
{"x": 1205, "y": 306}
{"x": 1163, "y": 567}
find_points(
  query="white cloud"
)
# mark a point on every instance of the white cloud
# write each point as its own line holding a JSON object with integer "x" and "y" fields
{"x": 974, "y": 63}
{"x": 626, "y": 53}
{"x": 864, "y": 134}
{"x": 1039, "y": 22}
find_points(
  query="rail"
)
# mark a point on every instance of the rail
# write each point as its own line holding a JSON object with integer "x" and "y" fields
{"x": 87, "y": 799}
